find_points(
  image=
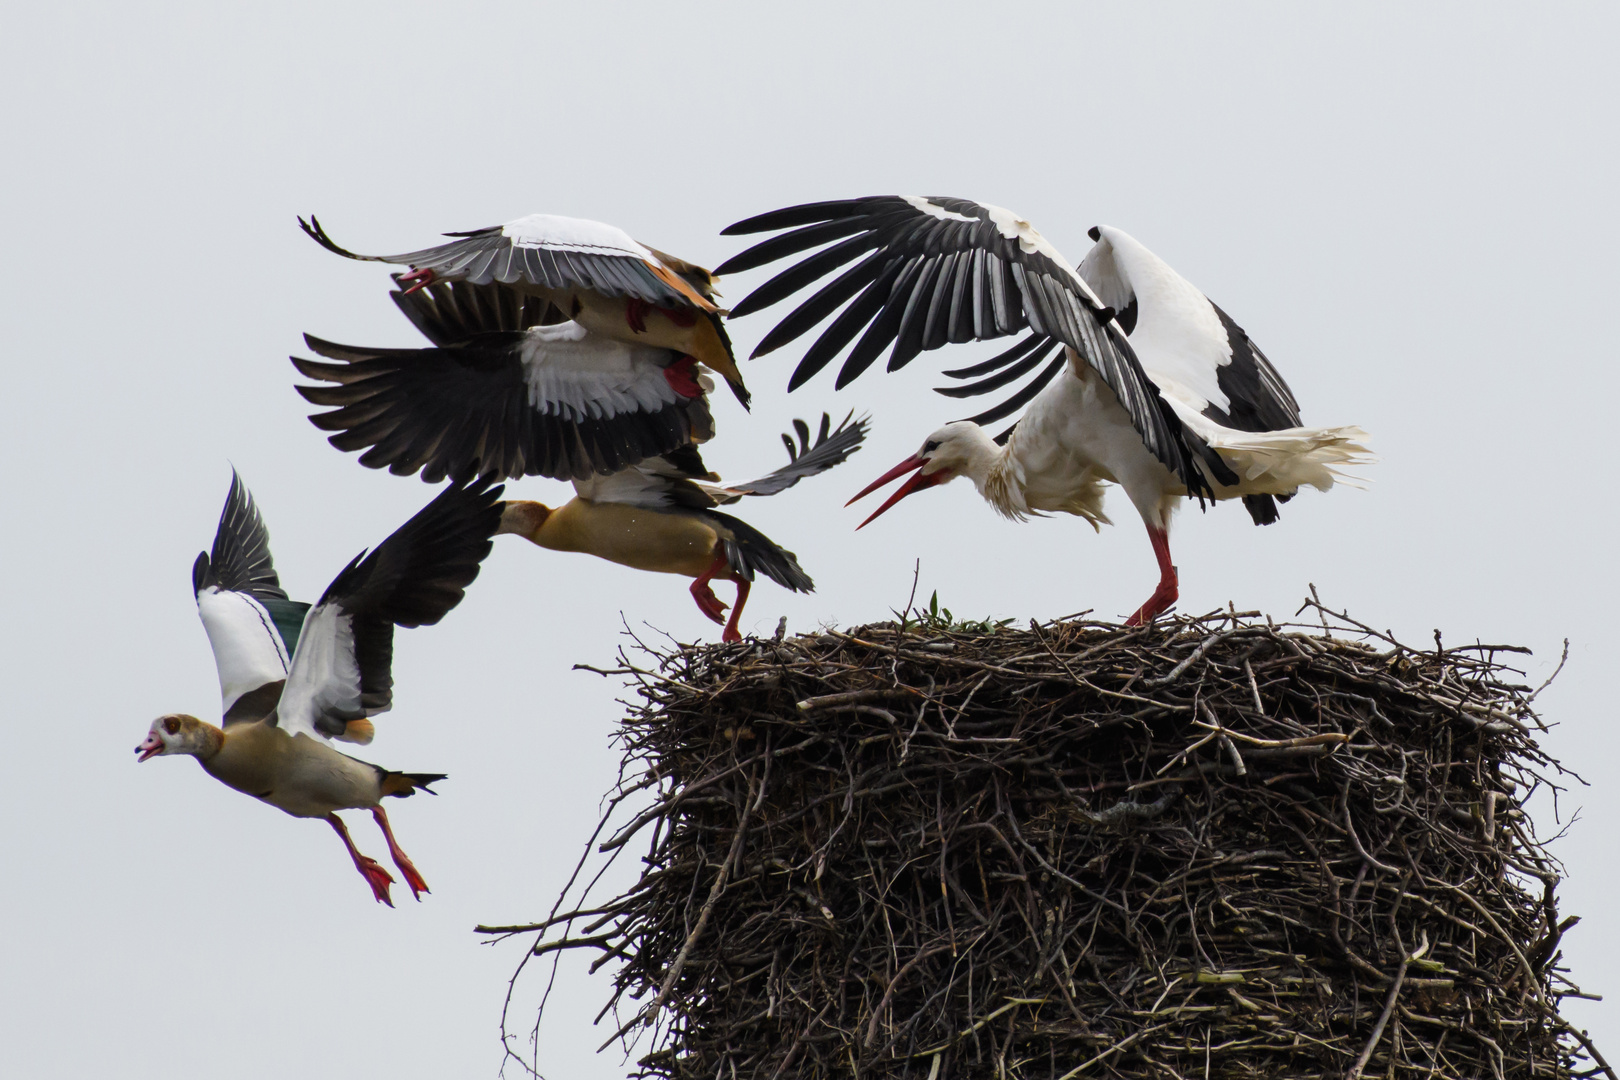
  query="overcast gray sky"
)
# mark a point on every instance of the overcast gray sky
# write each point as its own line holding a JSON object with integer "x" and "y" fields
{"x": 1412, "y": 212}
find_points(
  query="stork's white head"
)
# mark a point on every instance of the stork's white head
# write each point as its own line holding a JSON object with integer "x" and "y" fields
{"x": 178, "y": 733}
{"x": 960, "y": 448}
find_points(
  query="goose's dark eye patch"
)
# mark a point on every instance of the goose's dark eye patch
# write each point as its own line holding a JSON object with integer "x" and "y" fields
{"x": 930, "y": 446}
{"x": 172, "y": 726}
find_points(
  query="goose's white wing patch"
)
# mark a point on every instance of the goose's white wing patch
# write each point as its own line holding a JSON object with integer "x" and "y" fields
{"x": 324, "y": 678}
{"x": 248, "y": 652}
{"x": 583, "y": 376}
{"x": 559, "y": 233}
{"x": 652, "y": 484}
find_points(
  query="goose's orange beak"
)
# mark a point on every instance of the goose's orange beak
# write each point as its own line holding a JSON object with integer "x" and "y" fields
{"x": 150, "y": 747}
{"x": 918, "y": 482}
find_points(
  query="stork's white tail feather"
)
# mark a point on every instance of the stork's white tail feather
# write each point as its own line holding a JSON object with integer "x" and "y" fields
{"x": 1280, "y": 461}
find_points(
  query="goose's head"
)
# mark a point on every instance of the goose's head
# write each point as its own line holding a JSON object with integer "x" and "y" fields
{"x": 178, "y": 733}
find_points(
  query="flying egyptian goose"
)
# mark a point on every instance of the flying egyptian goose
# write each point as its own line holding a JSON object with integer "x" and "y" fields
{"x": 660, "y": 515}
{"x": 1155, "y": 388}
{"x": 511, "y": 388}
{"x": 594, "y": 274}
{"x": 292, "y": 678}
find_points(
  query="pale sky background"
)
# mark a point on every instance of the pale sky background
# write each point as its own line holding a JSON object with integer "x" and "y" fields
{"x": 1412, "y": 212}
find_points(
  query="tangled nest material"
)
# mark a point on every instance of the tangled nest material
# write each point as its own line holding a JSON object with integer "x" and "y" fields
{"x": 1211, "y": 847}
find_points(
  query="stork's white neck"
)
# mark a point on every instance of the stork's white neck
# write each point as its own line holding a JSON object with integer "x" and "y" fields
{"x": 975, "y": 455}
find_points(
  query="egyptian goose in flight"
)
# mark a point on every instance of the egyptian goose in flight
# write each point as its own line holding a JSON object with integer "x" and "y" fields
{"x": 594, "y": 274}
{"x": 293, "y": 677}
{"x": 1155, "y": 388}
{"x": 660, "y": 515}
{"x": 509, "y": 386}
{"x": 509, "y": 389}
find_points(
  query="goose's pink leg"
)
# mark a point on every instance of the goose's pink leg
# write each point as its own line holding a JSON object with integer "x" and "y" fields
{"x": 378, "y": 878}
{"x": 419, "y": 279}
{"x": 401, "y": 860}
{"x": 730, "y": 633}
{"x": 707, "y": 602}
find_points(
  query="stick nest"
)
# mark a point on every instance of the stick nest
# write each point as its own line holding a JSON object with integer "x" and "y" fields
{"x": 1211, "y": 847}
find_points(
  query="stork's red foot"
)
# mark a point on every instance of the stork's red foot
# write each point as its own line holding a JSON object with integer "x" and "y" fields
{"x": 420, "y": 279}
{"x": 1163, "y": 598}
{"x": 401, "y": 860}
{"x": 1165, "y": 595}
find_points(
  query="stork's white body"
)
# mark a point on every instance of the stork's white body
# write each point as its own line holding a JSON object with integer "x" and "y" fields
{"x": 1076, "y": 437}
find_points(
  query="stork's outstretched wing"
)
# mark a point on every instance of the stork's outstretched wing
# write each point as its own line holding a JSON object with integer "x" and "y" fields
{"x": 933, "y": 271}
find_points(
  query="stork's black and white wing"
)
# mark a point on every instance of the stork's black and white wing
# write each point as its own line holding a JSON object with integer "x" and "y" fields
{"x": 252, "y": 627}
{"x": 548, "y": 251}
{"x": 552, "y": 400}
{"x": 342, "y": 668}
{"x": 1188, "y": 346}
{"x": 932, "y": 271}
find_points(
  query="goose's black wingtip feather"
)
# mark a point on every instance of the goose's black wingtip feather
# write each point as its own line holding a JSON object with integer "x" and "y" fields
{"x": 240, "y": 559}
{"x": 312, "y": 229}
{"x": 421, "y": 571}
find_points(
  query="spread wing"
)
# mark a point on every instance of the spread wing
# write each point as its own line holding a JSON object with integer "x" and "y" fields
{"x": 454, "y": 312}
{"x": 681, "y": 480}
{"x": 1187, "y": 345}
{"x": 252, "y": 627}
{"x": 342, "y": 669}
{"x": 831, "y": 447}
{"x": 932, "y": 271}
{"x": 549, "y": 400}
{"x": 548, "y": 251}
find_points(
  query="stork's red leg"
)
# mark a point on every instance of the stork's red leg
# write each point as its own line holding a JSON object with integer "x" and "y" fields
{"x": 1165, "y": 595}
{"x": 707, "y": 602}
{"x": 401, "y": 860}
{"x": 730, "y": 633}
{"x": 378, "y": 878}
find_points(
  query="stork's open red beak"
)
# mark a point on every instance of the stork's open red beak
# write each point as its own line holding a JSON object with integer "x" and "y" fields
{"x": 918, "y": 482}
{"x": 150, "y": 747}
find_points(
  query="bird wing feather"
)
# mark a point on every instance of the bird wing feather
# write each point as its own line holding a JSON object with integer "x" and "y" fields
{"x": 935, "y": 271}
{"x": 342, "y": 669}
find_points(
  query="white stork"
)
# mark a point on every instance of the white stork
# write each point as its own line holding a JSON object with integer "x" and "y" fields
{"x": 511, "y": 388}
{"x": 1155, "y": 388}
{"x": 292, "y": 678}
